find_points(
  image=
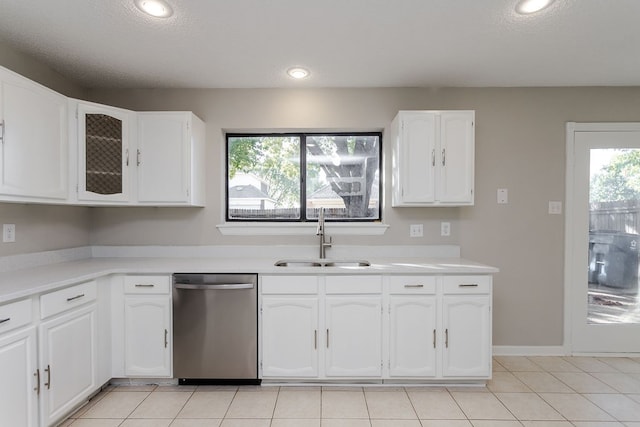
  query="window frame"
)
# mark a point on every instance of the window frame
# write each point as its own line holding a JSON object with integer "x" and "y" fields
{"x": 303, "y": 177}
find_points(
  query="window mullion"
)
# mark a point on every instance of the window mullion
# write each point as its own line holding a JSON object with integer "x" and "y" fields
{"x": 303, "y": 178}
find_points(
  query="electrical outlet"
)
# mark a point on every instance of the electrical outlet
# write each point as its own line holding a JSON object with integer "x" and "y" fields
{"x": 445, "y": 229}
{"x": 555, "y": 208}
{"x": 8, "y": 233}
{"x": 415, "y": 230}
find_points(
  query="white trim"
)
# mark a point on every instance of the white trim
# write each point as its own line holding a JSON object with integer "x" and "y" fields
{"x": 300, "y": 229}
{"x": 516, "y": 350}
{"x": 568, "y": 235}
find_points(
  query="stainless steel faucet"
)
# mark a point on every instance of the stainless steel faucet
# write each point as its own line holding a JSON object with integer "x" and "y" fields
{"x": 320, "y": 232}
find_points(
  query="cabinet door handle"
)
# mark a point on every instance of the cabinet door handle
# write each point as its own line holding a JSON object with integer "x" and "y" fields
{"x": 468, "y": 285}
{"x": 434, "y": 338}
{"x": 444, "y": 157}
{"x": 2, "y": 123}
{"x": 37, "y": 375}
{"x": 5, "y": 320}
{"x": 433, "y": 157}
{"x": 144, "y": 285}
{"x": 166, "y": 340}
{"x": 414, "y": 286}
{"x": 75, "y": 298}
{"x": 315, "y": 339}
{"x": 48, "y": 371}
{"x": 127, "y": 157}
{"x": 327, "y": 338}
{"x": 138, "y": 158}
{"x": 446, "y": 338}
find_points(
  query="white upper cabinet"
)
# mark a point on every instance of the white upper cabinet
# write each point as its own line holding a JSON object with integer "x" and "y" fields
{"x": 130, "y": 158}
{"x": 104, "y": 138}
{"x": 433, "y": 158}
{"x": 170, "y": 159}
{"x": 34, "y": 142}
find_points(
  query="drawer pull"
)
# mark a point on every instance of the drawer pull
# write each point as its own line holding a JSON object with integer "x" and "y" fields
{"x": 5, "y": 320}
{"x": 75, "y": 298}
{"x": 142, "y": 285}
{"x": 414, "y": 286}
{"x": 468, "y": 285}
{"x": 48, "y": 371}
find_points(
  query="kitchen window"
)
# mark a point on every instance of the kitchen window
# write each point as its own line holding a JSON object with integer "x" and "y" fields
{"x": 289, "y": 177}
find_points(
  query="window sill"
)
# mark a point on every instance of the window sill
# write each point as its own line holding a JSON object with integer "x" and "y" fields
{"x": 294, "y": 229}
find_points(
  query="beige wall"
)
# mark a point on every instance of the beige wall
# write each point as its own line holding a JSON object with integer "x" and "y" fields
{"x": 42, "y": 228}
{"x": 520, "y": 145}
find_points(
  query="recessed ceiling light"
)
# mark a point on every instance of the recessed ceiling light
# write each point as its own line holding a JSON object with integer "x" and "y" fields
{"x": 157, "y": 8}
{"x": 525, "y": 7}
{"x": 298, "y": 73}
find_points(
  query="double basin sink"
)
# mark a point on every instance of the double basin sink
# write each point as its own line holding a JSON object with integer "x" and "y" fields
{"x": 322, "y": 263}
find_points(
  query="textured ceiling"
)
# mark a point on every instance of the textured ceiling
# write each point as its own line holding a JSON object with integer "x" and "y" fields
{"x": 345, "y": 43}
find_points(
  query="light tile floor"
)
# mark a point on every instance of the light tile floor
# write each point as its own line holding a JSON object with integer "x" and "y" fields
{"x": 524, "y": 391}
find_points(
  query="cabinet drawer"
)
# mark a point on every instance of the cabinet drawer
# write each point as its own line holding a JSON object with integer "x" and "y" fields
{"x": 147, "y": 284}
{"x": 467, "y": 284}
{"x": 412, "y": 284}
{"x": 15, "y": 315}
{"x": 353, "y": 285}
{"x": 289, "y": 284}
{"x": 67, "y": 298}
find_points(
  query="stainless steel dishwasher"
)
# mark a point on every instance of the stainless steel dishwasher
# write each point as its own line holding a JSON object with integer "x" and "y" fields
{"x": 215, "y": 328}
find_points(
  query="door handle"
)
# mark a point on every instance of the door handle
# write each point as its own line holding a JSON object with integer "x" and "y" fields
{"x": 315, "y": 339}
{"x": 37, "y": 375}
{"x": 327, "y": 338}
{"x": 166, "y": 341}
{"x": 434, "y": 338}
{"x": 2, "y": 123}
{"x": 444, "y": 158}
{"x": 446, "y": 338}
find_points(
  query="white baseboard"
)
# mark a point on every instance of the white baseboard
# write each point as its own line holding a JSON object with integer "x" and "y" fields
{"x": 516, "y": 350}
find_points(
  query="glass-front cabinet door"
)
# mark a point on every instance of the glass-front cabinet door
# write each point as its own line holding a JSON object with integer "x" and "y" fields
{"x": 104, "y": 152}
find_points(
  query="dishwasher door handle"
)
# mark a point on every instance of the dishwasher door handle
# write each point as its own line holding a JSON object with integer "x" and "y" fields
{"x": 214, "y": 286}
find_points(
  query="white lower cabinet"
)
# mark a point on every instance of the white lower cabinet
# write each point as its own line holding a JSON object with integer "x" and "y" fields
{"x": 394, "y": 328}
{"x": 467, "y": 323}
{"x": 19, "y": 384}
{"x": 147, "y": 322}
{"x": 353, "y": 328}
{"x": 290, "y": 336}
{"x": 68, "y": 362}
{"x": 307, "y": 335}
{"x": 147, "y": 326}
{"x": 413, "y": 309}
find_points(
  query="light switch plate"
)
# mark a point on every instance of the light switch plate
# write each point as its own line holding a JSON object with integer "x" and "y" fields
{"x": 503, "y": 196}
{"x": 8, "y": 233}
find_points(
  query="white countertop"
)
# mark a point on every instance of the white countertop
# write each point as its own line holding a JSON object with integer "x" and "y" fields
{"x": 30, "y": 281}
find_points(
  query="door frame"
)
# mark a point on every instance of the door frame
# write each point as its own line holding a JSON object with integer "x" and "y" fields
{"x": 569, "y": 235}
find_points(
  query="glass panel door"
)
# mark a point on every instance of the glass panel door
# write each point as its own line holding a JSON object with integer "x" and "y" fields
{"x": 103, "y": 141}
{"x": 603, "y": 242}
